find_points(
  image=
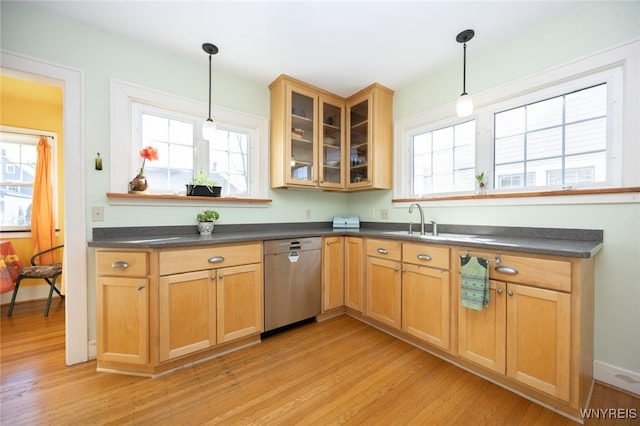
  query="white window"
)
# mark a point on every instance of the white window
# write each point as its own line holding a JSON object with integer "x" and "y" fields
{"x": 173, "y": 126}
{"x": 565, "y": 127}
{"x": 556, "y": 142}
{"x": 18, "y": 153}
{"x": 444, "y": 159}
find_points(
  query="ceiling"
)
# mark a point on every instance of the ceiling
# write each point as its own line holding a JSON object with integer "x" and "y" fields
{"x": 340, "y": 46}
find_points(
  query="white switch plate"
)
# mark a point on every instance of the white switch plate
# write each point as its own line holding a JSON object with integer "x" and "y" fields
{"x": 97, "y": 214}
{"x": 384, "y": 214}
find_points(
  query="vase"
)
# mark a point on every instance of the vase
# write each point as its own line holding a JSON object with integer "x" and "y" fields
{"x": 205, "y": 228}
{"x": 138, "y": 185}
{"x": 481, "y": 189}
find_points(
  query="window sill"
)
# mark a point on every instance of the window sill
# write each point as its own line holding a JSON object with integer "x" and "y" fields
{"x": 521, "y": 195}
{"x": 170, "y": 199}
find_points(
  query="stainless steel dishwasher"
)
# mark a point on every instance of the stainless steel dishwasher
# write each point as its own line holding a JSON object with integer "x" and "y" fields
{"x": 291, "y": 281}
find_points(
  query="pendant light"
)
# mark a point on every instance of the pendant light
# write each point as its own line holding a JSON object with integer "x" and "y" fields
{"x": 209, "y": 127}
{"x": 464, "y": 106}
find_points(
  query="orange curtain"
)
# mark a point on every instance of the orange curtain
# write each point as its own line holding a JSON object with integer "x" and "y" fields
{"x": 42, "y": 222}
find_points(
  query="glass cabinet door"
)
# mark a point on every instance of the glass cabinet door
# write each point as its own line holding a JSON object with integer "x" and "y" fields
{"x": 331, "y": 158}
{"x": 302, "y": 139}
{"x": 359, "y": 144}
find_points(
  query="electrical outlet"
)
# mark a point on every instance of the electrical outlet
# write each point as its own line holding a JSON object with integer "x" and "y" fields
{"x": 307, "y": 214}
{"x": 384, "y": 214}
{"x": 97, "y": 214}
{"x": 372, "y": 213}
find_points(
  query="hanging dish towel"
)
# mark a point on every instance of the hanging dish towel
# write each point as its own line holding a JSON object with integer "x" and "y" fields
{"x": 474, "y": 283}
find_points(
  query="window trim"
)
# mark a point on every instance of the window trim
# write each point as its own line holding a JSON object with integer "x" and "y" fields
{"x": 625, "y": 56}
{"x": 123, "y": 94}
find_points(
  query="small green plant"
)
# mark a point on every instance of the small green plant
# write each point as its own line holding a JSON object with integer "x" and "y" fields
{"x": 203, "y": 179}
{"x": 207, "y": 216}
{"x": 480, "y": 177}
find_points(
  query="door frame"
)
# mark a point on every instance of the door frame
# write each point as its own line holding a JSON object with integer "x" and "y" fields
{"x": 75, "y": 224}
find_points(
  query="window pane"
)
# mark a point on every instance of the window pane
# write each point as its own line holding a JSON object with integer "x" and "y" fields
{"x": 565, "y": 141}
{"x": 544, "y": 144}
{"x": 587, "y": 103}
{"x": 509, "y": 149}
{"x": 544, "y": 114}
{"x": 509, "y": 123}
{"x": 229, "y": 162}
{"x": 444, "y": 159}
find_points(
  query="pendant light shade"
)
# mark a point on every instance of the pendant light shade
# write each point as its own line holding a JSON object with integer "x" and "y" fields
{"x": 464, "y": 106}
{"x": 209, "y": 127}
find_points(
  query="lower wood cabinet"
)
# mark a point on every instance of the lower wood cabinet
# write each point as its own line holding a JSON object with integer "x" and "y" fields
{"x": 354, "y": 274}
{"x": 122, "y": 296}
{"x": 383, "y": 294}
{"x": 526, "y": 331}
{"x": 239, "y": 295}
{"x": 333, "y": 266}
{"x": 187, "y": 313}
{"x": 161, "y": 305}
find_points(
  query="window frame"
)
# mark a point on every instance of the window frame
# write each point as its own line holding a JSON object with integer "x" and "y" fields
{"x": 124, "y": 94}
{"x": 622, "y": 61}
{"x": 35, "y": 135}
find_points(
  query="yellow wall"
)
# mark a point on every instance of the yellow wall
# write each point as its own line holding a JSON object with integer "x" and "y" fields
{"x": 32, "y": 105}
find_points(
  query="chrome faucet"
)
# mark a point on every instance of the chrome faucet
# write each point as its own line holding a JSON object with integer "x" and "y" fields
{"x": 421, "y": 216}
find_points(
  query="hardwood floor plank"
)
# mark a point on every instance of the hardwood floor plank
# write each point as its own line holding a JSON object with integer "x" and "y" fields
{"x": 340, "y": 371}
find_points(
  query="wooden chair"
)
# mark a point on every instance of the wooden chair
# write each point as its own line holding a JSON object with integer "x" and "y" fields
{"x": 49, "y": 273}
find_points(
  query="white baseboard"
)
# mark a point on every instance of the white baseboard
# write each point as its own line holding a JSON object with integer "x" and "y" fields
{"x": 617, "y": 377}
{"x": 27, "y": 293}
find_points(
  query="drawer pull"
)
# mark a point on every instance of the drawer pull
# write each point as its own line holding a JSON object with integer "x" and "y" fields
{"x": 216, "y": 259}
{"x": 506, "y": 270}
{"x": 119, "y": 264}
{"x": 424, "y": 257}
{"x": 383, "y": 251}
{"x": 499, "y": 291}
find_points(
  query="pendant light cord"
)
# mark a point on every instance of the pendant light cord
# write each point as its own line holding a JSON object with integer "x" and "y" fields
{"x": 209, "y": 86}
{"x": 464, "y": 70}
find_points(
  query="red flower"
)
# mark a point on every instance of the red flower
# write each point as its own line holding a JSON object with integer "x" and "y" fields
{"x": 148, "y": 153}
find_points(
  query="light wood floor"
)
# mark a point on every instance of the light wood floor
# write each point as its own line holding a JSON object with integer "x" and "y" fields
{"x": 340, "y": 371}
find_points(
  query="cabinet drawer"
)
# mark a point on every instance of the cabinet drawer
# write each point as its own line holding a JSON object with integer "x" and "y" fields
{"x": 546, "y": 273}
{"x": 121, "y": 263}
{"x": 387, "y": 249}
{"x": 217, "y": 256}
{"x": 425, "y": 254}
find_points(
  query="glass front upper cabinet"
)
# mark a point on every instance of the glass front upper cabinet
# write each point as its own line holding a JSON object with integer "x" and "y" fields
{"x": 331, "y": 158}
{"x": 302, "y": 138}
{"x": 359, "y": 144}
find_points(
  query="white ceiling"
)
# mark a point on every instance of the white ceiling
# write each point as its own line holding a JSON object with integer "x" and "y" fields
{"x": 340, "y": 46}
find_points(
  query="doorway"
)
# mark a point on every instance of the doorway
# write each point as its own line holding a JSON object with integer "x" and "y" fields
{"x": 75, "y": 237}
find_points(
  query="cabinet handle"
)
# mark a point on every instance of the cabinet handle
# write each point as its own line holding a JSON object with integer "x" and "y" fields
{"x": 120, "y": 264}
{"x": 216, "y": 259}
{"x": 499, "y": 291}
{"x": 510, "y": 292}
{"x": 213, "y": 277}
{"x": 424, "y": 257}
{"x": 506, "y": 269}
{"x": 383, "y": 251}
{"x": 396, "y": 269}
{"x": 140, "y": 287}
{"x": 221, "y": 276}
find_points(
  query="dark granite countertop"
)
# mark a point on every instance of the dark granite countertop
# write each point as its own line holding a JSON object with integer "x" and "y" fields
{"x": 581, "y": 243}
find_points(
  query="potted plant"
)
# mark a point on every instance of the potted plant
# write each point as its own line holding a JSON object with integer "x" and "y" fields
{"x": 206, "y": 219}
{"x": 481, "y": 189}
{"x": 202, "y": 185}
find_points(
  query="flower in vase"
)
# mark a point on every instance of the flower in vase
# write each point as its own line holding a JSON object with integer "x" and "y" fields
{"x": 148, "y": 153}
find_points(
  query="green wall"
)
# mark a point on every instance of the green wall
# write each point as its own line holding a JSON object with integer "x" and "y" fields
{"x": 589, "y": 28}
